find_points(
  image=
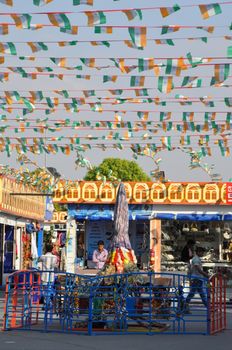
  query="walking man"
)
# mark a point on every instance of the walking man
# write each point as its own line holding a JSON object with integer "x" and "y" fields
{"x": 196, "y": 282}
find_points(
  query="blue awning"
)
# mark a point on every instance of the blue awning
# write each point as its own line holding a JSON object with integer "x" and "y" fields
{"x": 105, "y": 212}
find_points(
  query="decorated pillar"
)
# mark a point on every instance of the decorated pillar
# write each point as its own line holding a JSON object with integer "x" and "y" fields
{"x": 155, "y": 245}
{"x": 71, "y": 246}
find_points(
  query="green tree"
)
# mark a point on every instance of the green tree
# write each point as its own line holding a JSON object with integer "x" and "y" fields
{"x": 122, "y": 169}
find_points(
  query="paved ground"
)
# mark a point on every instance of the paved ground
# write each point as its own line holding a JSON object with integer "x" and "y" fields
{"x": 44, "y": 341}
{"x": 22, "y": 340}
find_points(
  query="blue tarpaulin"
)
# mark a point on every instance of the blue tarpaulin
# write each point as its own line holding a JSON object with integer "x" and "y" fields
{"x": 105, "y": 212}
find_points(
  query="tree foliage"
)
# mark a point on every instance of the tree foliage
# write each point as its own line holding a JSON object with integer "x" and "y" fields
{"x": 122, "y": 169}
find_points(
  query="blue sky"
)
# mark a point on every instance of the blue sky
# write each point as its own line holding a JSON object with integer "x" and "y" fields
{"x": 174, "y": 163}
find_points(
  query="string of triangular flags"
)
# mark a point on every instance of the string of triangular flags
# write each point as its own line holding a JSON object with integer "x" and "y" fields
{"x": 97, "y": 17}
{"x": 41, "y": 145}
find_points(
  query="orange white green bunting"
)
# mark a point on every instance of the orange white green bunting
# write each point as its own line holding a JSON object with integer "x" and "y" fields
{"x": 4, "y": 29}
{"x": 41, "y": 2}
{"x": 82, "y": 2}
{"x": 210, "y": 10}
{"x": 22, "y": 21}
{"x": 138, "y": 36}
{"x": 221, "y": 72}
{"x": 165, "y": 84}
{"x": 95, "y": 18}
{"x": 131, "y": 14}
{"x": 169, "y": 29}
{"x": 137, "y": 80}
{"x": 167, "y": 11}
{"x": 7, "y": 2}
{"x": 59, "y": 20}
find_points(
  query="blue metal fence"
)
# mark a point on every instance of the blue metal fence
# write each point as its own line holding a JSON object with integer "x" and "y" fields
{"x": 144, "y": 302}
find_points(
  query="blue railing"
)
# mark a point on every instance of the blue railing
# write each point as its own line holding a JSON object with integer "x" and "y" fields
{"x": 139, "y": 302}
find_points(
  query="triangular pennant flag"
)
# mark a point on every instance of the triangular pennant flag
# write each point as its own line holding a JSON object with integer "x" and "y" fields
{"x": 86, "y": 77}
{"x": 82, "y": 2}
{"x": 60, "y": 62}
{"x": 164, "y": 42}
{"x": 165, "y": 84}
{"x": 116, "y": 92}
{"x": 8, "y": 47}
{"x": 137, "y": 81}
{"x": 210, "y": 10}
{"x": 191, "y": 82}
{"x": 4, "y": 77}
{"x": 138, "y": 36}
{"x": 107, "y": 78}
{"x": 59, "y": 20}
{"x": 119, "y": 63}
{"x": 22, "y": 21}
{"x": 41, "y": 2}
{"x": 100, "y": 43}
{"x": 94, "y": 18}
{"x": 175, "y": 66}
{"x": 209, "y": 29}
{"x": 169, "y": 29}
{"x": 103, "y": 30}
{"x": 37, "y": 46}
{"x": 36, "y": 95}
{"x": 89, "y": 62}
{"x": 167, "y": 11}
{"x": 7, "y": 2}
{"x": 221, "y": 72}
{"x": 132, "y": 45}
{"x": 141, "y": 92}
{"x": 145, "y": 64}
{"x": 131, "y": 14}
{"x": 4, "y": 29}
{"x": 73, "y": 30}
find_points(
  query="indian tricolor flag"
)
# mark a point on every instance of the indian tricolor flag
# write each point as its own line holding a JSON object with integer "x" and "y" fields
{"x": 12, "y": 96}
{"x": 73, "y": 30}
{"x": 89, "y": 62}
{"x": 103, "y": 30}
{"x": 59, "y": 20}
{"x": 210, "y": 10}
{"x": 175, "y": 66}
{"x": 41, "y": 2}
{"x": 37, "y": 46}
{"x": 191, "y": 82}
{"x": 165, "y": 84}
{"x": 145, "y": 64}
{"x": 4, "y": 29}
{"x": 8, "y": 47}
{"x": 167, "y": 11}
{"x": 209, "y": 29}
{"x": 137, "y": 81}
{"x": 169, "y": 29}
{"x": 82, "y": 2}
{"x": 141, "y": 92}
{"x": 119, "y": 63}
{"x": 221, "y": 72}
{"x": 138, "y": 36}
{"x": 7, "y": 2}
{"x": 107, "y": 78}
{"x": 143, "y": 115}
{"x": 164, "y": 42}
{"x": 22, "y": 21}
{"x": 36, "y": 95}
{"x": 4, "y": 77}
{"x": 60, "y": 62}
{"x": 94, "y": 18}
{"x": 131, "y": 14}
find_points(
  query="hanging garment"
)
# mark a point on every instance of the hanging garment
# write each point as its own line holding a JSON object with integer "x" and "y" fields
{"x": 34, "y": 251}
